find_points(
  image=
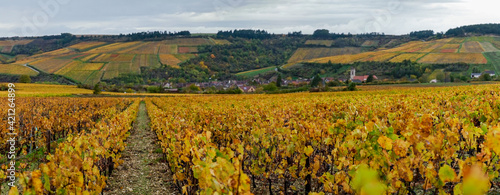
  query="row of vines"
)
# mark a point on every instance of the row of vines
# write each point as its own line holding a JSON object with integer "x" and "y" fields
{"x": 87, "y": 137}
{"x": 405, "y": 141}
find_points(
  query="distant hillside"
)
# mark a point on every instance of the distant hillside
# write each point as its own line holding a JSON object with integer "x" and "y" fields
{"x": 441, "y": 51}
{"x": 91, "y": 62}
{"x": 153, "y": 57}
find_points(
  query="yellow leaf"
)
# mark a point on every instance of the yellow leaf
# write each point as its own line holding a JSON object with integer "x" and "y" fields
{"x": 308, "y": 150}
{"x": 446, "y": 173}
{"x": 37, "y": 182}
{"x": 385, "y": 142}
{"x": 476, "y": 182}
{"x": 184, "y": 158}
{"x": 44, "y": 168}
{"x": 13, "y": 191}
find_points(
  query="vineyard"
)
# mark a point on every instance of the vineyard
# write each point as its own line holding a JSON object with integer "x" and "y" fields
{"x": 50, "y": 65}
{"x": 443, "y": 51}
{"x": 80, "y": 138}
{"x": 110, "y": 59}
{"x": 16, "y": 69}
{"x": 131, "y": 56}
{"x": 187, "y": 41}
{"x": 388, "y": 140}
{"x": 407, "y": 56}
{"x": 311, "y": 53}
{"x": 326, "y": 43}
{"x": 470, "y": 58}
{"x": 333, "y": 142}
{"x": 472, "y": 47}
{"x": 169, "y": 59}
{"x": 87, "y": 45}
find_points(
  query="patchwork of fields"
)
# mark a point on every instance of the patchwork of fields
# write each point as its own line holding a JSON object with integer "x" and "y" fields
{"x": 91, "y": 62}
{"x": 471, "y": 50}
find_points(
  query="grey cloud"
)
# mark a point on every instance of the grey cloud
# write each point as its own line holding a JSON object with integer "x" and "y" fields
{"x": 278, "y": 16}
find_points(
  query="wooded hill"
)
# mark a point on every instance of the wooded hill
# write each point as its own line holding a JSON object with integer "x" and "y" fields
{"x": 152, "y": 57}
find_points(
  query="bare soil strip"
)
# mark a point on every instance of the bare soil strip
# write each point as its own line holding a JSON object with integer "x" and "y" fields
{"x": 143, "y": 171}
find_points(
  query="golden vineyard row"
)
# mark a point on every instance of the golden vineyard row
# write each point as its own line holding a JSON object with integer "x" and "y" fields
{"x": 439, "y": 140}
{"x": 81, "y": 163}
{"x": 41, "y": 121}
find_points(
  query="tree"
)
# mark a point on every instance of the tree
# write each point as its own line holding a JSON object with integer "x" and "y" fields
{"x": 440, "y": 76}
{"x": 316, "y": 81}
{"x": 97, "y": 88}
{"x": 194, "y": 88}
{"x": 485, "y": 77}
{"x": 129, "y": 90}
{"x": 369, "y": 79}
{"x": 25, "y": 79}
{"x": 279, "y": 81}
{"x": 270, "y": 87}
{"x": 422, "y": 34}
{"x": 321, "y": 33}
{"x": 475, "y": 69}
{"x": 351, "y": 87}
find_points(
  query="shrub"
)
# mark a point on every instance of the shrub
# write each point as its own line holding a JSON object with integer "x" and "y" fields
{"x": 25, "y": 79}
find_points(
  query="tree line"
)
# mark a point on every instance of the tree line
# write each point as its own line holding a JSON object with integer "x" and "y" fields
{"x": 477, "y": 28}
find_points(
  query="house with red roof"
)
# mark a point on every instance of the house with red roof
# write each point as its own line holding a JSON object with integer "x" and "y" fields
{"x": 359, "y": 79}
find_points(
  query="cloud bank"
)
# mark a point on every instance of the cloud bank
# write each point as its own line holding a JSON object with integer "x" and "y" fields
{"x": 44, "y": 17}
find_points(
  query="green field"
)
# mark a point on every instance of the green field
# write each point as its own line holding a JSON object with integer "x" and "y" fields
{"x": 481, "y": 39}
{"x": 114, "y": 69}
{"x": 493, "y": 60}
{"x": 94, "y": 77}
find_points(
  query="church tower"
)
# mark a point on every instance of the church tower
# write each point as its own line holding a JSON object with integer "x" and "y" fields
{"x": 353, "y": 73}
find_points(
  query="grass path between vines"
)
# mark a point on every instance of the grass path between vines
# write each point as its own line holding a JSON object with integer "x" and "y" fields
{"x": 142, "y": 171}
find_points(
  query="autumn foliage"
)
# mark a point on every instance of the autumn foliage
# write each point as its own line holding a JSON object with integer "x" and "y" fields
{"x": 442, "y": 140}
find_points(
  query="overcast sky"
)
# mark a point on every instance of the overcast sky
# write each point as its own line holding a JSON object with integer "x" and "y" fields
{"x": 44, "y": 17}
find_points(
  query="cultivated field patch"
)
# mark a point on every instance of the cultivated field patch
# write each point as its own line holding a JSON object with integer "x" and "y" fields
{"x": 220, "y": 41}
{"x": 144, "y": 48}
{"x": 184, "y": 50}
{"x": 446, "y": 58}
{"x": 14, "y": 69}
{"x": 311, "y": 53}
{"x": 114, "y": 69}
{"x": 326, "y": 43}
{"x": 50, "y": 65}
{"x": 114, "y": 58}
{"x": 87, "y": 45}
{"x": 114, "y": 47}
{"x": 187, "y": 41}
{"x": 381, "y": 57}
{"x": 471, "y": 47}
{"x": 185, "y": 57}
{"x": 170, "y": 60}
{"x": 344, "y": 59}
{"x": 370, "y": 43}
{"x": 488, "y": 47}
{"x": 407, "y": 56}
{"x": 168, "y": 49}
